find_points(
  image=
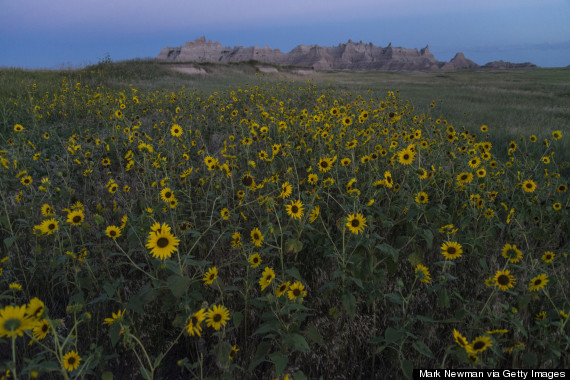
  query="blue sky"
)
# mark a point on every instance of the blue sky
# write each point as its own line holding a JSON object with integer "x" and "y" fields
{"x": 58, "y": 33}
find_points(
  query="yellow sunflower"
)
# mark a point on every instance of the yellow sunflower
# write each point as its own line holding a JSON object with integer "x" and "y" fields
{"x": 286, "y": 190}
{"x": 325, "y": 164}
{"x": 295, "y": 209}
{"x": 217, "y": 317}
{"x": 406, "y": 156}
{"x": 75, "y": 217}
{"x": 255, "y": 260}
{"x": 162, "y": 243}
{"x": 479, "y": 344}
{"x": 297, "y": 290}
{"x": 113, "y": 232}
{"x": 166, "y": 194}
{"x": 504, "y": 280}
{"x": 356, "y": 223}
{"x": 451, "y": 250}
{"x": 281, "y": 289}
{"x": 314, "y": 214}
{"x": 114, "y": 317}
{"x": 538, "y": 282}
{"x": 13, "y": 321}
{"x": 512, "y": 253}
{"x": 266, "y": 277}
{"x": 422, "y": 272}
{"x": 210, "y": 276}
{"x": 41, "y": 329}
{"x": 256, "y": 237}
{"x": 193, "y": 326}
{"x": 421, "y": 197}
{"x": 529, "y": 186}
{"x": 548, "y": 257}
{"x": 176, "y": 130}
{"x": 459, "y": 339}
{"x": 71, "y": 361}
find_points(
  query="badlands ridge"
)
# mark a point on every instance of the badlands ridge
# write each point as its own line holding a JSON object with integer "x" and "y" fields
{"x": 346, "y": 56}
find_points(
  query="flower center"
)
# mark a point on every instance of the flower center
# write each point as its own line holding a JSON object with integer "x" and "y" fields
{"x": 355, "y": 223}
{"x": 451, "y": 250}
{"x": 478, "y": 345}
{"x": 162, "y": 242}
{"x": 503, "y": 279}
{"x": 294, "y": 209}
{"x": 71, "y": 361}
{"x": 76, "y": 219}
{"x": 296, "y": 292}
{"x": 217, "y": 318}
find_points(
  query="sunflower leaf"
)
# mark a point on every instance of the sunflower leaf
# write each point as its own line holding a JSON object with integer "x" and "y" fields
{"x": 520, "y": 327}
{"x": 280, "y": 362}
{"x": 349, "y": 303}
{"x": 313, "y": 334}
{"x": 422, "y": 348}
{"x": 8, "y": 242}
{"x": 178, "y": 285}
{"x": 296, "y": 341}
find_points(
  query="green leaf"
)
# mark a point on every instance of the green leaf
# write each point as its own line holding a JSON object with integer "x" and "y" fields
{"x": 107, "y": 375}
{"x": 422, "y": 348}
{"x": 299, "y": 375}
{"x": 407, "y": 367}
{"x": 388, "y": 250}
{"x": 135, "y": 305}
{"x": 530, "y": 359}
{"x": 8, "y": 242}
{"x": 238, "y": 318}
{"x": 296, "y": 341}
{"x": 313, "y": 334}
{"x": 293, "y": 246}
{"x": 114, "y": 331}
{"x": 259, "y": 356}
{"x": 443, "y": 299}
{"x": 517, "y": 323}
{"x": 294, "y": 272}
{"x": 222, "y": 351}
{"x": 395, "y": 298}
{"x": 267, "y": 327}
{"x": 280, "y": 362}
{"x": 349, "y": 303}
{"x": 392, "y": 335}
{"x": 178, "y": 285}
{"x": 428, "y": 237}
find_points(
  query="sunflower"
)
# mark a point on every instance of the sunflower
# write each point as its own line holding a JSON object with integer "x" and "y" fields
{"x": 47, "y": 210}
{"x": 406, "y": 156}
{"x": 296, "y": 290}
{"x": 388, "y": 179}
{"x": 176, "y": 130}
{"x": 346, "y": 121}
{"x": 113, "y": 232}
{"x": 474, "y": 162}
{"x": 325, "y": 164}
{"x": 13, "y": 321}
{"x": 225, "y": 214}
{"x": 49, "y": 226}
{"x": 351, "y": 144}
{"x": 166, "y": 194}
{"x": 18, "y": 128}
{"x": 557, "y": 135}
{"x": 234, "y": 352}
{"x": 75, "y": 217}
{"x": 479, "y": 344}
{"x": 236, "y": 240}
{"x": 286, "y": 190}
{"x": 540, "y": 316}
{"x": 548, "y": 257}
{"x": 356, "y": 223}
{"x": 256, "y": 237}
{"x": 210, "y": 276}
{"x": 193, "y": 325}
{"x": 314, "y": 214}
{"x": 504, "y": 279}
{"x": 421, "y": 197}
{"x": 26, "y": 181}
{"x": 71, "y": 361}
{"x": 41, "y": 329}
{"x": 35, "y": 308}
{"x": 451, "y": 250}
{"x": 217, "y": 317}
{"x": 345, "y": 161}
{"x": 114, "y": 317}
{"x": 281, "y": 289}
{"x": 255, "y": 260}
{"x": 313, "y": 178}
{"x": 465, "y": 177}
{"x": 529, "y": 186}
{"x": 266, "y": 277}
{"x": 422, "y": 272}
{"x": 295, "y": 209}
{"x": 538, "y": 282}
{"x": 162, "y": 243}
{"x": 557, "y": 206}
{"x": 562, "y": 188}
{"x": 512, "y": 253}
{"x": 484, "y": 128}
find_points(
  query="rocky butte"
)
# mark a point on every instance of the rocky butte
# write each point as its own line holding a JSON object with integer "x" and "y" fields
{"x": 346, "y": 56}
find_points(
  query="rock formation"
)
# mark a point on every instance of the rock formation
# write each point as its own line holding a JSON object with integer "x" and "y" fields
{"x": 346, "y": 56}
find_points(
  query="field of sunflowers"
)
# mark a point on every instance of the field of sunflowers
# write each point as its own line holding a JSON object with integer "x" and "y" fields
{"x": 271, "y": 230}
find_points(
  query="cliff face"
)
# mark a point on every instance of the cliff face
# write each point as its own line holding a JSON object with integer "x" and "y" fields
{"x": 348, "y": 56}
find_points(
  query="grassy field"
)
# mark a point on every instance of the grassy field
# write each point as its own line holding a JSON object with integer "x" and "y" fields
{"x": 237, "y": 224}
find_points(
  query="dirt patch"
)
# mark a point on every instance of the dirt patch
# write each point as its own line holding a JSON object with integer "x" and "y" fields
{"x": 190, "y": 70}
{"x": 267, "y": 69}
{"x": 303, "y": 71}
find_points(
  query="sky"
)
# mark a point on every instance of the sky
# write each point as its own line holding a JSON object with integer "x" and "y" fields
{"x": 54, "y": 34}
